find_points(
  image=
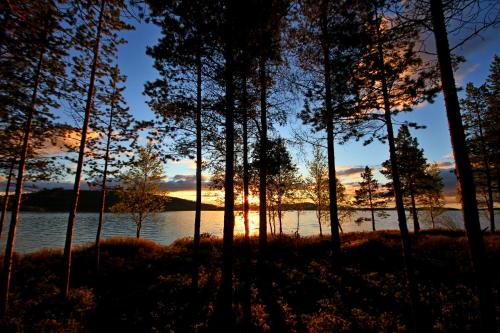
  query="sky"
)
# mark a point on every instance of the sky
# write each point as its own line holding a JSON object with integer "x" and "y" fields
{"x": 350, "y": 158}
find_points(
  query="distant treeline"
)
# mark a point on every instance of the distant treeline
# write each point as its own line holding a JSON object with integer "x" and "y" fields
{"x": 58, "y": 200}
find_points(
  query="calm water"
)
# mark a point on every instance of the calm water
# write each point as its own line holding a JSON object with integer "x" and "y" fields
{"x": 48, "y": 230}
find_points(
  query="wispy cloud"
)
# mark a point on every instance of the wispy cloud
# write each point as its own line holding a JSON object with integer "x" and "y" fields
{"x": 182, "y": 182}
{"x": 350, "y": 171}
{"x": 463, "y": 71}
{"x": 189, "y": 164}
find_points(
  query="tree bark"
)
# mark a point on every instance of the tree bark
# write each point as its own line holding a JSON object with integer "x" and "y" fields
{"x": 487, "y": 173}
{"x": 319, "y": 212}
{"x": 416, "y": 224}
{"x": 227, "y": 250}
{"x": 463, "y": 169}
{"x": 102, "y": 203}
{"x": 280, "y": 215}
{"x": 372, "y": 210}
{"x": 263, "y": 155}
{"x": 197, "y": 217}
{"x": 417, "y": 322}
{"x": 332, "y": 179}
{"x": 431, "y": 211}
{"x": 9, "y": 248}
{"x": 246, "y": 176}
{"x": 81, "y": 153}
{"x": 5, "y": 204}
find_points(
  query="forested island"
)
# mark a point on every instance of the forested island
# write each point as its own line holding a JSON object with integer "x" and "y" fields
{"x": 58, "y": 200}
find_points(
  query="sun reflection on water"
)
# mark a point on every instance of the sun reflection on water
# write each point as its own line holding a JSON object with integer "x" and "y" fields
{"x": 239, "y": 224}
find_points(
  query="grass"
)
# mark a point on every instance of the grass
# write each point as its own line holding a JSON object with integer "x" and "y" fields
{"x": 146, "y": 287}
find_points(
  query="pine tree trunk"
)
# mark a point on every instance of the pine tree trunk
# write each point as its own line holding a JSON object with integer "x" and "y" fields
{"x": 332, "y": 180}
{"x": 9, "y": 247}
{"x": 102, "y": 203}
{"x": 417, "y": 322}
{"x": 246, "y": 176}
{"x": 263, "y": 156}
{"x": 490, "y": 202}
{"x": 280, "y": 215}
{"x": 298, "y": 222}
{"x": 416, "y": 224}
{"x": 372, "y": 210}
{"x": 227, "y": 250}
{"x": 5, "y": 204}
{"x": 487, "y": 172}
{"x": 319, "y": 212}
{"x": 81, "y": 153}
{"x": 197, "y": 217}
{"x": 463, "y": 169}
{"x": 269, "y": 219}
{"x": 320, "y": 227}
{"x": 431, "y": 210}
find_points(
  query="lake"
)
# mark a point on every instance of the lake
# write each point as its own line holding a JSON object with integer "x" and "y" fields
{"x": 48, "y": 230}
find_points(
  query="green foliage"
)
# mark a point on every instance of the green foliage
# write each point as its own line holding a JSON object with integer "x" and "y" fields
{"x": 112, "y": 125}
{"x": 432, "y": 198}
{"x": 140, "y": 191}
{"x": 369, "y": 194}
{"x": 411, "y": 165}
{"x": 283, "y": 181}
{"x": 330, "y": 34}
{"x": 316, "y": 186}
{"x": 34, "y": 35}
{"x": 482, "y": 123}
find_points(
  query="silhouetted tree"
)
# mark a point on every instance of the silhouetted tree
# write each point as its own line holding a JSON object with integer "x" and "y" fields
{"x": 431, "y": 193}
{"x": 317, "y": 185}
{"x": 140, "y": 193}
{"x": 462, "y": 161}
{"x": 411, "y": 165}
{"x": 330, "y": 44}
{"x": 475, "y": 111}
{"x": 34, "y": 46}
{"x": 398, "y": 79}
{"x": 282, "y": 179}
{"x": 492, "y": 131}
{"x": 228, "y": 41}
{"x": 113, "y": 123}
{"x": 96, "y": 44}
{"x": 369, "y": 194}
{"x": 180, "y": 56}
{"x": 270, "y": 20}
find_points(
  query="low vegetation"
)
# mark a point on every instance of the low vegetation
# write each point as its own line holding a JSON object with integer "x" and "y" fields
{"x": 146, "y": 287}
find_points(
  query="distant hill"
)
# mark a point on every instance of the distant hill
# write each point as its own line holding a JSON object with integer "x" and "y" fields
{"x": 58, "y": 200}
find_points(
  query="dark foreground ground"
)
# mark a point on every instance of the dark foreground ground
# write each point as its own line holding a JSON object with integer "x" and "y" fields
{"x": 145, "y": 287}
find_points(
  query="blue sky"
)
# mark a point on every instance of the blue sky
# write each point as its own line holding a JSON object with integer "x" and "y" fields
{"x": 434, "y": 139}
